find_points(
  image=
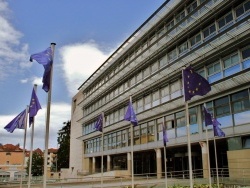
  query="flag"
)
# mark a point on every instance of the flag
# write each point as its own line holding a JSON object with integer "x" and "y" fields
{"x": 208, "y": 117}
{"x": 44, "y": 58}
{"x": 34, "y": 106}
{"x": 165, "y": 137}
{"x": 99, "y": 123}
{"x": 217, "y": 131}
{"x": 17, "y": 122}
{"x": 130, "y": 114}
{"x": 194, "y": 84}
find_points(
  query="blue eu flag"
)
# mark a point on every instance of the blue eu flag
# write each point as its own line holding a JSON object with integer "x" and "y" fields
{"x": 99, "y": 123}
{"x": 17, "y": 122}
{"x": 130, "y": 114}
{"x": 217, "y": 131}
{"x": 34, "y": 106}
{"x": 208, "y": 117}
{"x": 194, "y": 84}
{"x": 44, "y": 58}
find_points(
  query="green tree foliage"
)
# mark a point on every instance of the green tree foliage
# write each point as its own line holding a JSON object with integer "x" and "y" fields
{"x": 63, "y": 140}
{"x": 37, "y": 164}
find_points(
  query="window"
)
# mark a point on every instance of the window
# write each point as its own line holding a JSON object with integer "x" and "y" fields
{"x": 147, "y": 101}
{"x": 214, "y": 72}
{"x": 195, "y": 40}
{"x": 221, "y": 106}
{"x": 170, "y": 125}
{"x": 163, "y": 61}
{"x": 240, "y": 101}
{"x": 154, "y": 67}
{"x": 246, "y": 57}
{"x": 132, "y": 81}
{"x": 146, "y": 72}
{"x": 192, "y": 6}
{"x": 172, "y": 55}
{"x": 209, "y": 31}
{"x": 183, "y": 47}
{"x": 139, "y": 105}
{"x": 240, "y": 10}
{"x": 139, "y": 77}
{"x": 175, "y": 89}
{"x": 165, "y": 94}
{"x": 170, "y": 25}
{"x": 151, "y": 131}
{"x": 180, "y": 16}
{"x": 156, "y": 98}
{"x": 225, "y": 20}
{"x": 231, "y": 64}
{"x": 8, "y": 153}
{"x": 180, "y": 124}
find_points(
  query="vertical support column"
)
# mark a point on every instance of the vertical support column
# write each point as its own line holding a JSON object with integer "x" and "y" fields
{"x": 204, "y": 151}
{"x": 158, "y": 163}
{"x": 108, "y": 163}
{"x": 129, "y": 163}
{"x": 93, "y": 165}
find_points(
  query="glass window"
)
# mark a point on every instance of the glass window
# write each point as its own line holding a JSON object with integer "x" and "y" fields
{"x": 151, "y": 131}
{"x": 183, "y": 47}
{"x": 139, "y": 77}
{"x": 139, "y": 104}
{"x": 172, "y": 55}
{"x": 180, "y": 124}
{"x": 124, "y": 138}
{"x": 225, "y": 20}
{"x": 163, "y": 61}
{"x": 146, "y": 72}
{"x": 132, "y": 81}
{"x": 170, "y": 25}
{"x": 242, "y": 8}
{"x": 246, "y": 57}
{"x": 165, "y": 94}
{"x": 195, "y": 40}
{"x": 154, "y": 67}
{"x": 180, "y": 16}
{"x": 213, "y": 68}
{"x": 240, "y": 101}
{"x": 156, "y": 98}
{"x": 147, "y": 101}
{"x": 170, "y": 125}
{"x": 210, "y": 30}
{"x": 221, "y": 106}
{"x": 175, "y": 89}
{"x": 231, "y": 60}
{"x": 192, "y": 6}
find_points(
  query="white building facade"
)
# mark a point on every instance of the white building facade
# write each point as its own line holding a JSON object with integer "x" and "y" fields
{"x": 210, "y": 35}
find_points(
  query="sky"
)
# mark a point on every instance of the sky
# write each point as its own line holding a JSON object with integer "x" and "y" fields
{"x": 86, "y": 33}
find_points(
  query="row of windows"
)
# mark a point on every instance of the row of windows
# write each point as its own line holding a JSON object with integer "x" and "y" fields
{"x": 223, "y": 67}
{"x": 230, "y": 110}
{"x": 190, "y": 10}
{"x": 180, "y": 50}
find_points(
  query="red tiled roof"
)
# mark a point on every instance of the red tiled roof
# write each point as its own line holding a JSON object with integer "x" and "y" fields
{"x": 10, "y": 148}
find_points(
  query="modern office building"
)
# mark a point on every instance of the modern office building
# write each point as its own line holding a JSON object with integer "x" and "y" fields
{"x": 213, "y": 36}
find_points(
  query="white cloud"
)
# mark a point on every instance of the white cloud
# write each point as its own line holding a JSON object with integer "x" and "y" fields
{"x": 60, "y": 113}
{"x": 13, "y": 55}
{"x": 37, "y": 80}
{"x": 79, "y": 62}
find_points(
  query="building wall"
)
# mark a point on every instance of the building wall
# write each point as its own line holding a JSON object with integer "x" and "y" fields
{"x": 212, "y": 36}
{"x": 76, "y": 155}
{"x": 12, "y": 161}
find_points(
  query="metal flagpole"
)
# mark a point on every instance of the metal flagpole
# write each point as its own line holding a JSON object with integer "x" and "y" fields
{"x": 103, "y": 123}
{"x": 132, "y": 150}
{"x": 31, "y": 145}
{"x": 165, "y": 161}
{"x": 48, "y": 121}
{"x": 208, "y": 160}
{"x": 216, "y": 163}
{"x": 189, "y": 146}
{"x": 24, "y": 144}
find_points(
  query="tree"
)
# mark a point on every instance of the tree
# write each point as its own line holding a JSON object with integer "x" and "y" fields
{"x": 63, "y": 140}
{"x": 37, "y": 164}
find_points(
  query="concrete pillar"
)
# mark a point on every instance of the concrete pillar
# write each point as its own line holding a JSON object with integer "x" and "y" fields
{"x": 129, "y": 163}
{"x": 93, "y": 165}
{"x": 108, "y": 163}
{"x": 204, "y": 151}
{"x": 158, "y": 163}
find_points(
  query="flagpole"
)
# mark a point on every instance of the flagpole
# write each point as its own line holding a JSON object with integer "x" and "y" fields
{"x": 31, "y": 145}
{"x": 189, "y": 146}
{"x": 48, "y": 121}
{"x": 24, "y": 144}
{"x": 103, "y": 125}
{"x": 216, "y": 163}
{"x": 208, "y": 160}
{"x": 132, "y": 150}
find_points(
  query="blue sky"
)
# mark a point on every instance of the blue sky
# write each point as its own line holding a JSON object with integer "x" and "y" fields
{"x": 86, "y": 32}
